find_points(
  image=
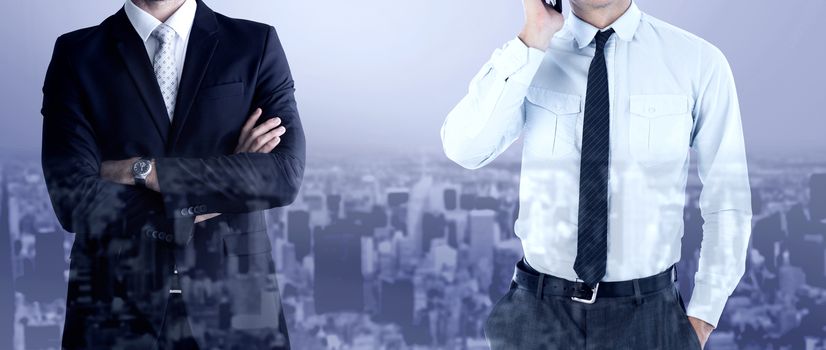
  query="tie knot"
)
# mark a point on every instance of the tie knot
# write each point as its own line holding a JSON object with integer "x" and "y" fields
{"x": 164, "y": 33}
{"x": 602, "y": 37}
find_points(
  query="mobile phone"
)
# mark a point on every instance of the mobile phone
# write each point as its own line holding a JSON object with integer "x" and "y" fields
{"x": 556, "y": 4}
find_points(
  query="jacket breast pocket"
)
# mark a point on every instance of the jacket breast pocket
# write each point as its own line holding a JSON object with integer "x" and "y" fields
{"x": 660, "y": 128}
{"x": 221, "y": 91}
{"x": 551, "y": 120}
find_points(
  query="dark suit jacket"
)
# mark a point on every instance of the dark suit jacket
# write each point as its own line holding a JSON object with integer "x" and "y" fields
{"x": 102, "y": 102}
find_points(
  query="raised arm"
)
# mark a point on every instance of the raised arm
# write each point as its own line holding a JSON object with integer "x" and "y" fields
{"x": 490, "y": 117}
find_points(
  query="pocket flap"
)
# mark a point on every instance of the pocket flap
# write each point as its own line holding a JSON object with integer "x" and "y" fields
{"x": 223, "y": 90}
{"x": 247, "y": 243}
{"x": 655, "y": 106}
{"x": 556, "y": 102}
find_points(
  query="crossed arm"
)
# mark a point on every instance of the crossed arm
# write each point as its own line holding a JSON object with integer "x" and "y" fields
{"x": 253, "y": 139}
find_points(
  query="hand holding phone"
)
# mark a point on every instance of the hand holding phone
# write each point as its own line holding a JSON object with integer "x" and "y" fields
{"x": 555, "y": 4}
{"x": 543, "y": 18}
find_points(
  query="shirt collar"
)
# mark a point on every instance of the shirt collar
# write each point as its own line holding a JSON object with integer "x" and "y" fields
{"x": 144, "y": 23}
{"x": 625, "y": 26}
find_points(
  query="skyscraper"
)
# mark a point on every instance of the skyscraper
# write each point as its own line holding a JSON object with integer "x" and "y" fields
{"x": 44, "y": 281}
{"x": 339, "y": 283}
{"x": 505, "y": 256}
{"x": 6, "y": 284}
{"x": 433, "y": 226}
{"x": 451, "y": 199}
{"x": 397, "y": 200}
{"x": 482, "y": 236}
{"x": 817, "y": 198}
{"x": 298, "y": 232}
{"x": 397, "y": 302}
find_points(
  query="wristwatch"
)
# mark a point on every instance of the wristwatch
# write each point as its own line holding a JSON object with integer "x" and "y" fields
{"x": 141, "y": 169}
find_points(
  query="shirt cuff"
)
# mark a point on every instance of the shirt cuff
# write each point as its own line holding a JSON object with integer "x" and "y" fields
{"x": 707, "y": 303}
{"x": 518, "y": 61}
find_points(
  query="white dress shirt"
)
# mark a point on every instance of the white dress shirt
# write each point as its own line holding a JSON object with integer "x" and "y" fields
{"x": 670, "y": 92}
{"x": 181, "y": 21}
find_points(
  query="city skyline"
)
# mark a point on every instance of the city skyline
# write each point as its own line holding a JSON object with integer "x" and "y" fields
{"x": 370, "y": 256}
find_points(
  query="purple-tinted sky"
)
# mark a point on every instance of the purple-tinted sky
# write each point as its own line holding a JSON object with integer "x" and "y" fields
{"x": 382, "y": 74}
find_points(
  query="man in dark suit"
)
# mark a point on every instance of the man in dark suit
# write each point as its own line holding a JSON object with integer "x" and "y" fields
{"x": 152, "y": 161}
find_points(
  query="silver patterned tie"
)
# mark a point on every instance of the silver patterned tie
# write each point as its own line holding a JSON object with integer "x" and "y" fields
{"x": 166, "y": 70}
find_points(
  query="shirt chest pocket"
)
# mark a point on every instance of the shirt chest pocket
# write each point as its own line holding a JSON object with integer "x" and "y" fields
{"x": 660, "y": 128}
{"x": 551, "y": 123}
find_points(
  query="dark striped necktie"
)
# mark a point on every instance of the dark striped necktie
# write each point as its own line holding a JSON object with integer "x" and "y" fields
{"x": 592, "y": 238}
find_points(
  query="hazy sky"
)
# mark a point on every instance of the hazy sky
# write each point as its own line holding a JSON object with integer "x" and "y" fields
{"x": 382, "y": 75}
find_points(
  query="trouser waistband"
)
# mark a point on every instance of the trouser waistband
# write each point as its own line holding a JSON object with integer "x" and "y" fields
{"x": 526, "y": 277}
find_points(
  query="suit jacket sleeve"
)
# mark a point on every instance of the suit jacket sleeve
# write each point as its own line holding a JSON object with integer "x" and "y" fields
{"x": 244, "y": 182}
{"x": 83, "y": 202}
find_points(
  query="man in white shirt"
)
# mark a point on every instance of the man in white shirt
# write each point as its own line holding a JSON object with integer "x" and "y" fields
{"x": 609, "y": 102}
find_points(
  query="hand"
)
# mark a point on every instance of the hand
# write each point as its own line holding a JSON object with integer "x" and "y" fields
{"x": 702, "y": 328}
{"x": 541, "y": 23}
{"x": 260, "y": 139}
{"x": 205, "y": 217}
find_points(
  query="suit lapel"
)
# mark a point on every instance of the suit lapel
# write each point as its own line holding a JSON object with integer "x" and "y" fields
{"x": 133, "y": 53}
{"x": 202, "y": 43}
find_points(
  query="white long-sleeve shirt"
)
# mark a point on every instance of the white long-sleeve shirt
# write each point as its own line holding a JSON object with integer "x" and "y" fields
{"x": 670, "y": 92}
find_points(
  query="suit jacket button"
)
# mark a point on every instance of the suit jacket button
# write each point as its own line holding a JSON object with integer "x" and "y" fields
{"x": 169, "y": 238}
{"x": 183, "y": 212}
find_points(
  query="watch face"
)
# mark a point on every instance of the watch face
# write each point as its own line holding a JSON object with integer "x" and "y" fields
{"x": 141, "y": 168}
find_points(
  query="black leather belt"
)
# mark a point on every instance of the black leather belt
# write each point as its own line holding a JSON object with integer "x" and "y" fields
{"x": 526, "y": 277}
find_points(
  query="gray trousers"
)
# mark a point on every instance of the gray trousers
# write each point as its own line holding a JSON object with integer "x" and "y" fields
{"x": 657, "y": 320}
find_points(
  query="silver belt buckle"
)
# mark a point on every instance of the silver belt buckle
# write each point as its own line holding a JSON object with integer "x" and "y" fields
{"x": 593, "y": 296}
